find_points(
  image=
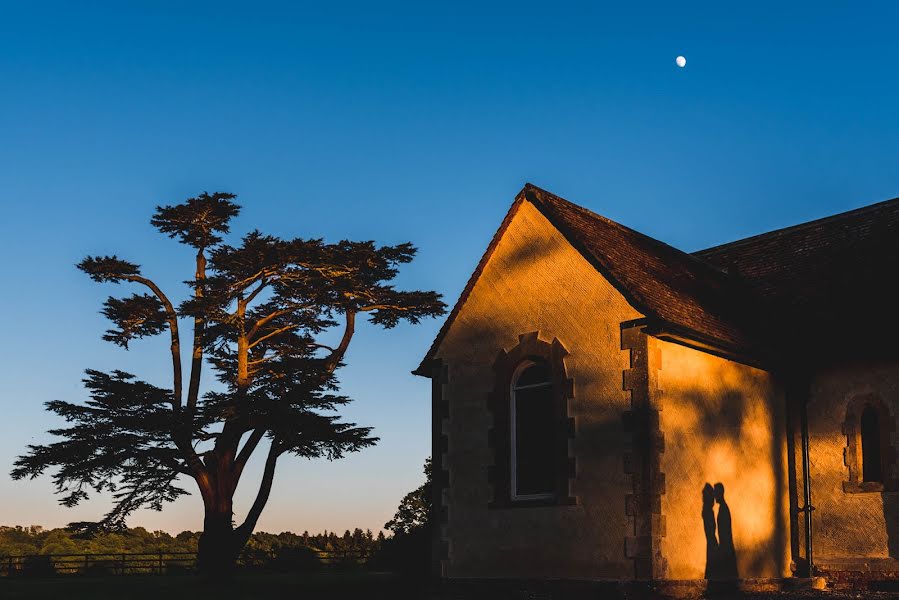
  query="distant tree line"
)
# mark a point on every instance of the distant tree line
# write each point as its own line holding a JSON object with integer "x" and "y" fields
{"x": 405, "y": 550}
{"x": 15, "y": 541}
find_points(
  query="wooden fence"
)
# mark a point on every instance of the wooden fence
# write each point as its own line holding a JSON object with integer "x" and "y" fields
{"x": 162, "y": 563}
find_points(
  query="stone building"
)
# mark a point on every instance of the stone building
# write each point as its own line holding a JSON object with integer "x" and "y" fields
{"x": 593, "y": 386}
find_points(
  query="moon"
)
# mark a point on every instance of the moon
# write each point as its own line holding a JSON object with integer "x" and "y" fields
{"x": 681, "y": 61}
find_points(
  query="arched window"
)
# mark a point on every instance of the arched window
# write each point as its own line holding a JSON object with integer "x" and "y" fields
{"x": 532, "y": 413}
{"x": 872, "y": 468}
{"x": 530, "y": 431}
{"x": 869, "y": 455}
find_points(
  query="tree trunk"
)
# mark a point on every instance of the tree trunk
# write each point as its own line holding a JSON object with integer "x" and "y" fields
{"x": 221, "y": 543}
{"x": 218, "y": 547}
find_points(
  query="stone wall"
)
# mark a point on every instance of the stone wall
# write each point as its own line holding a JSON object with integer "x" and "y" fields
{"x": 722, "y": 422}
{"x": 849, "y": 521}
{"x": 536, "y": 282}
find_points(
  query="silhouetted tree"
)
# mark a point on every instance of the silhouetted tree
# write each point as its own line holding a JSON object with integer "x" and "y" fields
{"x": 415, "y": 508}
{"x": 408, "y": 550}
{"x": 258, "y": 311}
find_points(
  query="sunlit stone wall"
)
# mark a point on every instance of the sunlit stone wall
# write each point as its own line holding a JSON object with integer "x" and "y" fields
{"x": 722, "y": 422}
{"x": 536, "y": 281}
{"x": 849, "y": 525}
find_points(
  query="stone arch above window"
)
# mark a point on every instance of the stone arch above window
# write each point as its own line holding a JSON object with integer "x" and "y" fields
{"x": 869, "y": 454}
{"x": 532, "y": 362}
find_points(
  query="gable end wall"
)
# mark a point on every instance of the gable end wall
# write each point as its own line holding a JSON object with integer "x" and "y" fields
{"x": 536, "y": 282}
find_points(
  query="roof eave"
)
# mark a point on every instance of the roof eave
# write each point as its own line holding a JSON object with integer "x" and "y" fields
{"x": 422, "y": 369}
{"x": 685, "y": 337}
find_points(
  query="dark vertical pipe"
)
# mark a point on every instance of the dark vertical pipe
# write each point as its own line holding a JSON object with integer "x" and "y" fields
{"x": 807, "y": 480}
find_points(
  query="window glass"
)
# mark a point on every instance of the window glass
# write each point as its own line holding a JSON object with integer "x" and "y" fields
{"x": 535, "y": 374}
{"x": 533, "y": 430}
{"x": 871, "y": 456}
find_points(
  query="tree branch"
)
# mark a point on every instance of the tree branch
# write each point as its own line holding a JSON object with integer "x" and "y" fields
{"x": 383, "y": 307}
{"x": 173, "y": 330}
{"x": 247, "y": 282}
{"x": 260, "y": 361}
{"x": 234, "y": 428}
{"x": 262, "y": 285}
{"x": 182, "y": 442}
{"x": 265, "y": 488}
{"x": 274, "y": 315}
{"x": 337, "y": 355}
{"x": 272, "y": 334}
{"x": 196, "y": 364}
{"x": 248, "y": 448}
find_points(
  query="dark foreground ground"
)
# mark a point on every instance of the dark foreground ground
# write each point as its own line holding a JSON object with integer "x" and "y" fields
{"x": 332, "y": 586}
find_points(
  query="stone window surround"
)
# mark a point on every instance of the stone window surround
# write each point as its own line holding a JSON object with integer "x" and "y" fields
{"x": 530, "y": 348}
{"x": 852, "y": 452}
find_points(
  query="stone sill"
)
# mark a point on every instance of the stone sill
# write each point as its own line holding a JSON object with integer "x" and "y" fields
{"x": 864, "y": 487}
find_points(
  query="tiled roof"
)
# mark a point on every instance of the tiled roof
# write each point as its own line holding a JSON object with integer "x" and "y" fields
{"x": 668, "y": 285}
{"x": 664, "y": 283}
{"x": 823, "y": 282}
{"x": 815, "y": 284}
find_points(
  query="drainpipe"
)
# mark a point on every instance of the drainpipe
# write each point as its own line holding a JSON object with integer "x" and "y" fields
{"x": 807, "y": 481}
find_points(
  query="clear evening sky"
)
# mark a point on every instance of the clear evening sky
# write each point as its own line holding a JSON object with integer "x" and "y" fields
{"x": 397, "y": 121}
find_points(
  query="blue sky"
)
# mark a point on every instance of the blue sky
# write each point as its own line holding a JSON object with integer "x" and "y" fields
{"x": 398, "y": 121}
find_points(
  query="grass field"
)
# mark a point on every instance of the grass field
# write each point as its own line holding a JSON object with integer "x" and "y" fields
{"x": 313, "y": 586}
{"x": 330, "y": 586}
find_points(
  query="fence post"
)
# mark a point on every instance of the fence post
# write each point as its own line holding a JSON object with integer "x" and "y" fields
{"x": 86, "y": 561}
{"x": 122, "y": 570}
{"x": 160, "y": 563}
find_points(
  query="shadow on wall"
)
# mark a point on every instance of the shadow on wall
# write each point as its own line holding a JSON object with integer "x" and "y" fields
{"x": 731, "y": 431}
{"x": 721, "y": 556}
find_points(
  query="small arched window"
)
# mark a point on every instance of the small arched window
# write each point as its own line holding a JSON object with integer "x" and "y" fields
{"x": 872, "y": 467}
{"x": 869, "y": 453}
{"x": 533, "y": 419}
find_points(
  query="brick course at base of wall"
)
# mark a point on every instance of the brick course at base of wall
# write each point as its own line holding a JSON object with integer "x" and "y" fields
{"x": 860, "y": 574}
{"x": 860, "y": 581}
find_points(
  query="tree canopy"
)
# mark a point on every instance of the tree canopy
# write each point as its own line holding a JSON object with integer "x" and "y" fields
{"x": 414, "y": 511}
{"x": 260, "y": 310}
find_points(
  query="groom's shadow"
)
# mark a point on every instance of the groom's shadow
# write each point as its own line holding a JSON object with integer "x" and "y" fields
{"x": 721, "y": 556}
